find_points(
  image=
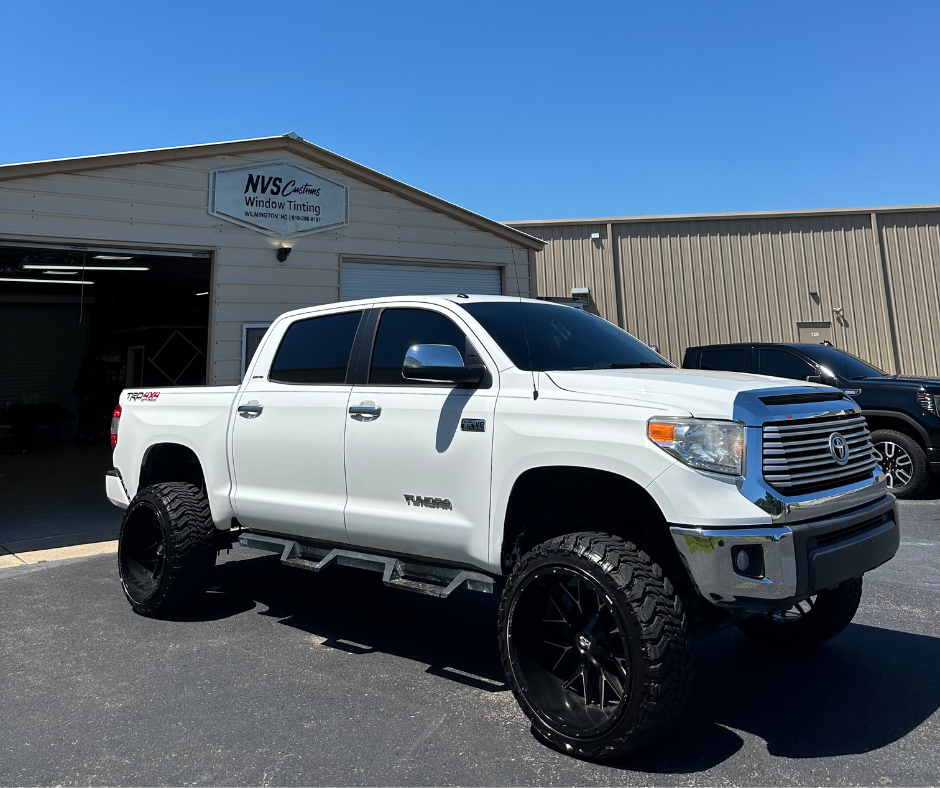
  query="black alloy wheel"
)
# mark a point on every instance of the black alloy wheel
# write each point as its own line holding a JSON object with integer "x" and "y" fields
{"x": 594, "y": 643}
{"x": 142, "y": 554}
{"x": 809, "y": 622}
{"x": 571, "y": 646}
{"x": 166, "y": 550}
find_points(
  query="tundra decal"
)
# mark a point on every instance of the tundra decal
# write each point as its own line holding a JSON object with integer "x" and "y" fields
{"x": 430, "y": 503}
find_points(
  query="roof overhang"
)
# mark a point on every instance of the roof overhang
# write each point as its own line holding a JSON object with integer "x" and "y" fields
{"x": 703, "y": 217}
{"x": 289, "y": 142}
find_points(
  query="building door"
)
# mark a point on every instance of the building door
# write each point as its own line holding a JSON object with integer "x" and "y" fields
{"x": 814, "y": 333}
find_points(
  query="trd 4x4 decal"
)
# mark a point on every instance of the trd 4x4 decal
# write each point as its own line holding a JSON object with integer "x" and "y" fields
{"x": 143, "y": 396}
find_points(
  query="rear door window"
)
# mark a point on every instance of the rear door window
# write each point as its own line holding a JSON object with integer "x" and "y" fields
{"x": 316, "y": 351}
{"x": 731, "y": 360}
{"x": 782, "y": 364}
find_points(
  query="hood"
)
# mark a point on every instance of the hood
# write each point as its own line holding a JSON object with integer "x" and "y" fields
{"x": 900, "y": 381}
{"x": 698, "y": 392}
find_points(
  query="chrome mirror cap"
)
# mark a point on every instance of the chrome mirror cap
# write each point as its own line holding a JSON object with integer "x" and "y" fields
{"x": 433, "y": 356}
{"x": 439, "y": 364}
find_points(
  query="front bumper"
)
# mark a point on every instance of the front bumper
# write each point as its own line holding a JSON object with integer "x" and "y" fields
{"x": 799, "y": 560}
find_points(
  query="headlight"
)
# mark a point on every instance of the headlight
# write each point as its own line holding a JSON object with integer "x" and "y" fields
{"x": 927, "y": 402}
{"x": 710, "y": 445}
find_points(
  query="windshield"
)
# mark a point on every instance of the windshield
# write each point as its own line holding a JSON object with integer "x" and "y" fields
{"x": 560, "y": 338}
{"x": 841, "y": 363}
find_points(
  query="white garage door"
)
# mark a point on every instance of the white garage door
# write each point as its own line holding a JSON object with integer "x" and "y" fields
{"x": 374, "y": 280}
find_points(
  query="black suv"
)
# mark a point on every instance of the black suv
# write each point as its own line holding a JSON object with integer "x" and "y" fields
{"x": 902, "y": 412}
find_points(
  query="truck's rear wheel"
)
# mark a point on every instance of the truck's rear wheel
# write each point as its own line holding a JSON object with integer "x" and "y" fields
{"x": 595, "y": 644}
{"x": 808, "y": 623}
{"x": 165, "y": 553}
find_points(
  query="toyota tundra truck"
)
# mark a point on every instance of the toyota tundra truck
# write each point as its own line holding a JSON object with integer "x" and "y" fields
{"x": 524, "y": 448}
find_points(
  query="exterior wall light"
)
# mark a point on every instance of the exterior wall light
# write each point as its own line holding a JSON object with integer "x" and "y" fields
{"x": 282, "y": 253}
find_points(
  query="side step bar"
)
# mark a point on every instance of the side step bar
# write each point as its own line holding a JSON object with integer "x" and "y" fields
{"x": 439, "y": 581}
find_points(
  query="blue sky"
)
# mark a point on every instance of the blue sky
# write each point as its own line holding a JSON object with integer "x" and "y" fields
{"x": 516, "y": 110}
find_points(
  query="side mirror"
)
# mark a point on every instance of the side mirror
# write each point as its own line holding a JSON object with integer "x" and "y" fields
{"x": 439, "y": 364}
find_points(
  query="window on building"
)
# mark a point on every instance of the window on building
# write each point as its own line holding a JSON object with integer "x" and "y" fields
{"x": 399, "y": 329}
{"x": 727, "y": 360}
{"x": 252, "y": 334}
{"x": 782, "y": 364}
{"x": 316, "y": 351}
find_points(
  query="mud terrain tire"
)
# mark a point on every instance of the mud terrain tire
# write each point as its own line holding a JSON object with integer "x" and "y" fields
{"x": 165, "y": 553}
{"x": 572, "y": 597}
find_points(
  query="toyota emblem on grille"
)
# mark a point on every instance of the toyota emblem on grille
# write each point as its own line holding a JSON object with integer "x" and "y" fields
{"x": 838, "y": 448}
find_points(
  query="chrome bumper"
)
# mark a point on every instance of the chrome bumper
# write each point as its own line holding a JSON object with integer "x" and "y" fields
{"x": 798, "y": 560}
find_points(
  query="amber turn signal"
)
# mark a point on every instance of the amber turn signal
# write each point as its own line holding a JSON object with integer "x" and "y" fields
{"x": 662, "y": 433}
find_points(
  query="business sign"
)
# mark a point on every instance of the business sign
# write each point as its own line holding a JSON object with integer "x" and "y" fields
{"x": 278, "y": 198}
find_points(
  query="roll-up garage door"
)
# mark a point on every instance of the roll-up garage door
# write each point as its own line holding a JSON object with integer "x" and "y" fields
{"x": 374, "y": 280}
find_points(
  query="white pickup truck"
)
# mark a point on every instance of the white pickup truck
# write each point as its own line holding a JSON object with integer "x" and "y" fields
{"x": 527, "y": 448}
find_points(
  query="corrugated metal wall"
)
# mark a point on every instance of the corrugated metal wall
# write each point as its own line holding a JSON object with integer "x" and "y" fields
{"x": 707, "y": 280}
{"x": 573, "y": 259}
{"x": 911, "y": 243}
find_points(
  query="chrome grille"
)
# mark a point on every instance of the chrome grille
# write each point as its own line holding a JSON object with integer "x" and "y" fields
{"x": 796, "y": 456}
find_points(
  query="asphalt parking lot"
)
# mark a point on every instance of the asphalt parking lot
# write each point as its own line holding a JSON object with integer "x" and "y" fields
{"x": 284, "y": 677}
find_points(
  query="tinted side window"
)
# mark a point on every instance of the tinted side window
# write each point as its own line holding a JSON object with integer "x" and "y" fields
{"x": 316, "y": 350}
{"x": 784, "y": 365}
{"x": 727, "y": 360}
{"x": 399, "y": 329}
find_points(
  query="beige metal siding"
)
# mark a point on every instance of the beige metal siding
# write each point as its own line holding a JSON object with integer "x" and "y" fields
{"x": 688, "y": 283}
{"x": 164, "y": 204}
{"x": 572, "y": 258}
{"x": 911, "y": 243}
{"x": 700, "y": 281}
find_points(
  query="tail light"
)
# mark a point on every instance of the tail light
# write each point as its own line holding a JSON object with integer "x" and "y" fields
{"x": 115, "y": 423}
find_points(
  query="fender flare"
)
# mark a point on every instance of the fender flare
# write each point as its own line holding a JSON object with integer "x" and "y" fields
{"x": 530, "y": 462}
{"x": 895, "y": 414}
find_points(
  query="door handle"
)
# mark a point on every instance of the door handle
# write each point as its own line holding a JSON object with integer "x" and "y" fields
{"x": 365, "y": 409}
{"x": 250, "y": 411}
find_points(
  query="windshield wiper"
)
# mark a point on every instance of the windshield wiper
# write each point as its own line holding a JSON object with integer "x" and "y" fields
{"x": 625, "y": 365}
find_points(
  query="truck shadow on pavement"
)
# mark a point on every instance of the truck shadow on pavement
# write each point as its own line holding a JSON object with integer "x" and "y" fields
{"x": 351, "y": 610}
{"x": 862, "y": 691}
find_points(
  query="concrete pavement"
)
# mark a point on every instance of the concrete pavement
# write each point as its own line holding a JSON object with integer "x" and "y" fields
{"x": 283, "y": 677}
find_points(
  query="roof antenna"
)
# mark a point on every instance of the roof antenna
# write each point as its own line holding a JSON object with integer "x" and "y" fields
{"x": 525, "y": 331}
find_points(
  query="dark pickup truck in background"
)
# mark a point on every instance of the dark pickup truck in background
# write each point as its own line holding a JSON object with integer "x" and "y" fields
{"x": 902, "y": 412}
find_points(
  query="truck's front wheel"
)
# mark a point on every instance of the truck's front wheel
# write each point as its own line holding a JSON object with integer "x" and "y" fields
{"x": 809, "y": 623}
{"x": 595, "y": 644}
{"x": 165, "y": 551}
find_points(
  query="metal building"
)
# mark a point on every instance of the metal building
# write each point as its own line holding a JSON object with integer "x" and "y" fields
{"x": 163, "y": 267}
{"x": 868, "y": 278}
